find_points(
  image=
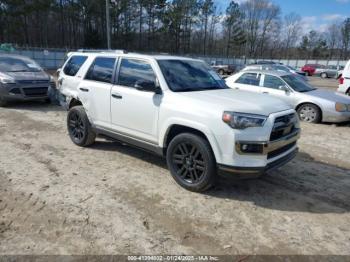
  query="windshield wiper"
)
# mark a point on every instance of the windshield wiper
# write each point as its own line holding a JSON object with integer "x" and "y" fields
{"x": 16, "y": 71}
{"x": 200, "y": 89}
{"x": 309, "y": 90}
{"x": 216, "y": 87}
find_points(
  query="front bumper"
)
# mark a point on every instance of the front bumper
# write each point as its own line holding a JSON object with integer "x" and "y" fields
{"x": 276, "y": 153}
{"x": 258, "y": 171}
{"x": 268, "y": 147}
{"x": 23, "y": 93}
{"x": 335, "y": 117}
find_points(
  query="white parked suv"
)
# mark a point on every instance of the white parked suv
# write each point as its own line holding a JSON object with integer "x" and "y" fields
{"x": 344, "y": 80}
{"x": 178, "y": 108}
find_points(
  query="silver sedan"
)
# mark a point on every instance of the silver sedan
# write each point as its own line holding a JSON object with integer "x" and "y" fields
{"x": 313, "y": 105}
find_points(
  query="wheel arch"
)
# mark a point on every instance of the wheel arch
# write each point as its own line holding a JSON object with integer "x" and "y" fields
{"x": 176, "y": 129}
{"x": 74, "y": 102}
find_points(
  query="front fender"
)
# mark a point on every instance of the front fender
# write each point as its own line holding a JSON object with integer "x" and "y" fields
{"x": 164, "y": 129}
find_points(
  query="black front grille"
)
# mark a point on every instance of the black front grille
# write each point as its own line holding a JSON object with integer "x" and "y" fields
{"x": 281, "y": 150}
{"x": 33, "y": 82}
{"x": 283, "y": 126}
{"x": 35, "y": 91}
{"x": 16, "y": 91}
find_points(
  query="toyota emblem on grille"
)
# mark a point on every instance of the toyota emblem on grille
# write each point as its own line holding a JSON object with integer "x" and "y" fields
{"x": 288, "y": 119}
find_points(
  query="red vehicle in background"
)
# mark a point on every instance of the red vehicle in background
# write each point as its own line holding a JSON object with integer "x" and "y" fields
{"x": 311, "y": 69}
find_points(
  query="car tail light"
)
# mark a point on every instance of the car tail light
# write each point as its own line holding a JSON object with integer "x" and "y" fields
{"x": 341, "y": 80}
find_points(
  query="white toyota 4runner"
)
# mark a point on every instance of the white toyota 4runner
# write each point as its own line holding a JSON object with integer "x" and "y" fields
{"x": 179, "y": 108}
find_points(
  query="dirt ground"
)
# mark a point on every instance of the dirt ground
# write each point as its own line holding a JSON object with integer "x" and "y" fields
{"x": 57, "y": 198}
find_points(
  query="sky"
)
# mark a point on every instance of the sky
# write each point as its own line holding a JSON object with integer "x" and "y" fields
{"x": 316, "y": 14}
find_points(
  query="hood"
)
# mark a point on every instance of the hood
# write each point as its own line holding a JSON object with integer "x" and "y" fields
{"x": 18, "y": 76}
{"x": 239, "y": 101}
{"x": 330, "y": 96}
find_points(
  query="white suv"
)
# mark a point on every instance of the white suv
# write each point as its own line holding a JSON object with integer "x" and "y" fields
{"x": 344, "y": 80}
{"x": 178, "y": 108}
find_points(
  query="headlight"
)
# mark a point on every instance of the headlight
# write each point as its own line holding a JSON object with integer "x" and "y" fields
{"x": 242, "y": 120}
{"x": 339, "y": 107}
{"x": 7, "y": 80}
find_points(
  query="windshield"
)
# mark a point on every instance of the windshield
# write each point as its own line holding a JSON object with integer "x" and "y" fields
{"x": 282, "y": 68}
{"x": 297, "y": 83}
{"x": 292, "y": 68}
{"x": 189, "y": 75}
{"x": 15, "y": 64}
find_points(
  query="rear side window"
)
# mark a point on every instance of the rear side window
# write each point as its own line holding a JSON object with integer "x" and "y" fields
{"x": 133, "y": 71}
{"x": 249, "y": 79}
{"x": 73, "y": 65}
{"x": 101, "y": 70}
{"x": 273, "y": 82}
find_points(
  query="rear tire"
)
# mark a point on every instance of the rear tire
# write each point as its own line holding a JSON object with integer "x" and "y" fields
{"x": 221, "y": 72}
{"x": 191, "y": 162}
{"x": 79, "y": 127}
{"x": 309, "y": 113}
{"x": 324, "y": 75}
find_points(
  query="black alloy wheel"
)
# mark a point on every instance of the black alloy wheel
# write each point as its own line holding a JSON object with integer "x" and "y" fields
{"x": 191, "y": 162}
{"x": 76, "y": 127}
{"x": 79, "y": 127}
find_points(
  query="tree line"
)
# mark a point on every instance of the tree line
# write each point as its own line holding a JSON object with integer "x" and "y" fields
{"x": 254, "y": 29}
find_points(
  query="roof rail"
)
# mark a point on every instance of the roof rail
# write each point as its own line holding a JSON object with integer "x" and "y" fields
{"x": 117, "y": 51}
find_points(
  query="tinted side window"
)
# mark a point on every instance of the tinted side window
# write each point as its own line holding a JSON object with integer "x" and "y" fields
{"x": 273, "y": 82}
{"x": 101, "y": 70}
{"x": 249, "y": 79}
{"x": 133, "y": 71}
{"x": 73, "y": 65}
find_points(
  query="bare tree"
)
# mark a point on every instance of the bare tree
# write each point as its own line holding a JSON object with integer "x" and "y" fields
{"x": 292, "y": 31}
{"x": 345, "y": 33}
{"x": 207, "y": 10}
{"x": 259, "y": 16}
{"x": 333, "y": 38}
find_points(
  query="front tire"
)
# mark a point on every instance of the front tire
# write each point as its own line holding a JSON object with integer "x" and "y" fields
{"x": 309, "y": 113}
{"x": 324, "y": 75}
{"x": 191, "y": 162}
{"x": 3, "y": 102}
{"x": 79, "y": 127}
{"x": 221, "y": 72}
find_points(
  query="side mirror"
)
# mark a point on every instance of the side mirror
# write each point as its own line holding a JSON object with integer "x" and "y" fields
{"x": 284, "y": 88}
{"x": 148, "y": 86}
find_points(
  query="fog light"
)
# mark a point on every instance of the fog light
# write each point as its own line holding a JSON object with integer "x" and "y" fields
{"x": 252, "y": 148}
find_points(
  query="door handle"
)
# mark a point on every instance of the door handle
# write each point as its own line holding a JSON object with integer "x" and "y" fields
{"x": 266, "y": 93}
{"x": 84, "y": 89}
{"x": 117, "y": 96}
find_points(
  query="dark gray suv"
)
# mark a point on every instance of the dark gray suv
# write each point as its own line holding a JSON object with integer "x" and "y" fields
{"x": 22, "y": 79}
